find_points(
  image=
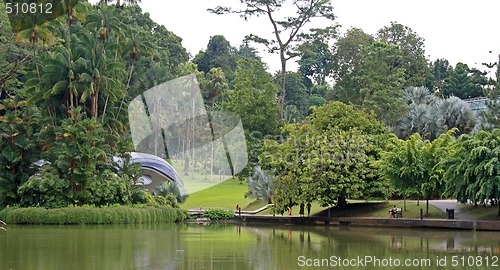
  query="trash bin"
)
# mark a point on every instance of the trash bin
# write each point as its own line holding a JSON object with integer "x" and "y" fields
{"x": 450, "y": 213}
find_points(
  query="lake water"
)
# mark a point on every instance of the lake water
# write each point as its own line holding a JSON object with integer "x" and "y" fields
{"x": 183, "y": 246}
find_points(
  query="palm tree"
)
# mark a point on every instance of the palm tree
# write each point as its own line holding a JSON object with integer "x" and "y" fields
{"x": 416, "y": 120}
{"x": 136, "y": 46}
{"x": 104, "y": 22}
{"x": 430, "y": 116}
{"x": 418, "y": 95}
{"x": 260, "y": 185}
{"x": 455, "y": 113}
{"x": 98, "y": 72}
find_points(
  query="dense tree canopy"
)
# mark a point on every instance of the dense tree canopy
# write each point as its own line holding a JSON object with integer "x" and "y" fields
{"x": 414, "y": 166}
{"x": 325, "y": 159}
{"x": 472, "y": 168}
{"x": 464, "y": 82}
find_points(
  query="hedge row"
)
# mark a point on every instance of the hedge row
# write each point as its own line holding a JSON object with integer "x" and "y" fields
{"x": 92, "y": 215}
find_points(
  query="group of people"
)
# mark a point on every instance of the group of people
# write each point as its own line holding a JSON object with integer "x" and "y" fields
{"x": 302, "y": 207}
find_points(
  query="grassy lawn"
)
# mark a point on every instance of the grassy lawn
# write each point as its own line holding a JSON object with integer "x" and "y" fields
{"x": 226, "y": 194}
{"x": 412, "y": 210}
{"x": 197, "y": 180}
{"x": 481, "y": 212}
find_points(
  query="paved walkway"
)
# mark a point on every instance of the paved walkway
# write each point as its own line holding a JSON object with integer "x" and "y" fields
{"x": 452, "y": 204}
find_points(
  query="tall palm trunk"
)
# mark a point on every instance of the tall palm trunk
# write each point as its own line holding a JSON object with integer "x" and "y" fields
{"x": 69, "y": 12}
{"x": 126, "y": 87}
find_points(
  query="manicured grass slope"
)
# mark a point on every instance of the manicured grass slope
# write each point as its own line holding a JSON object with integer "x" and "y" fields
{"x": 227, "y": 195}
{"x": 481, "y": 212}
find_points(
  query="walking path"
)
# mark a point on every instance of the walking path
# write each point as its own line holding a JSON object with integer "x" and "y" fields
{"x": 452, "y": 204}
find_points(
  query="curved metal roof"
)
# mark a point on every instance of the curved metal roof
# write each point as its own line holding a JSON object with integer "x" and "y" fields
{"x": 158, "y": 165}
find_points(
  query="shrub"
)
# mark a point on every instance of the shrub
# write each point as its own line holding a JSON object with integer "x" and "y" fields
{"x": 216, "y": 214}
{"x": 44, "y": 189}
{"x": 92, "y": 215}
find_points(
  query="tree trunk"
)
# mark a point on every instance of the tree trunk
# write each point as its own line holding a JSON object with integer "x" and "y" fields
{"x": 126, "y": 88}
{"x": 404, "y": 202}
{"x": 427, "y": 208}
{"x": 282, "y": 81}
{"x": 341, "y": 201}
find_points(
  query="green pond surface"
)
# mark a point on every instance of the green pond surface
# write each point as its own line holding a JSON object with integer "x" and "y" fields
{"x": 192, "y": 246}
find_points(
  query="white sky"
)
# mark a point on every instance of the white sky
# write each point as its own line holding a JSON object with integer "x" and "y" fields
{"x": 457, "y": 30}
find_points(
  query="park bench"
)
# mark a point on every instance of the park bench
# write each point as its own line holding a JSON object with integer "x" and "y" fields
{"x": 399, "y": 213}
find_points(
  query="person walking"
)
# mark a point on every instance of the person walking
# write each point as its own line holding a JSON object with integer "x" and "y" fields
{"x": 301, "y": 210}
{"x": 308, "y": 208}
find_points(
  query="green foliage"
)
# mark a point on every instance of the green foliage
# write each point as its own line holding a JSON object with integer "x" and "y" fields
{"x": 79, "y": 83}
{"x": 160, "y": 200}
{"x": 18, "y": 147}
{"x": 464, "y": 82}
{"x": 172, "y": 188}
{"x": 440, "y": 73}
{"x": 44, "y": 189}
{"x": 219, "y": 54}
{"x": 347, "y": 56}
{"x": 316, "y": 61}
{"x": 327, "y": 159}
{"x": 218, "y": 214}
{"x": 472, "y": 169}
{"x": 431, "y": 116}
{"x": 375, "y": 82}
{"x": 411, "y": 57}
{"x": 14, "y": 58}
{"x": 250, "y": 97}
{"x": 414, "y": 166}
{"x": 260, "y": 185}
{"x": 492, "y": 91}
{"x": 213, "y": 86}
{"x": 296, "y": 92}
{"x": 92, "y": 215}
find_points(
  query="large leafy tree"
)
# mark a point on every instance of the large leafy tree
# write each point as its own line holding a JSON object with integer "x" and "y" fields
{"x": 472, "y": 168}
{"x": 412, "y": 52}
{"x": 288, "y": 31}
{"x": 316, "y": 60}
{"x": 326, "y": 159}
{"x": 376, "y": 82}
{"x": 296, "y": 93}
{"x": 414, "y": 166}
{"x": 219, "y": 54}
{"x": 347, "y": 54}
{"x": 253, "y": 98}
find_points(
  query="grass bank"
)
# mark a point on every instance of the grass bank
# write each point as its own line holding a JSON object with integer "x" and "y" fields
{"x": 226, "y": 195}
{"x": 481, "y": 212}
{"x": 92, "y": 215}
